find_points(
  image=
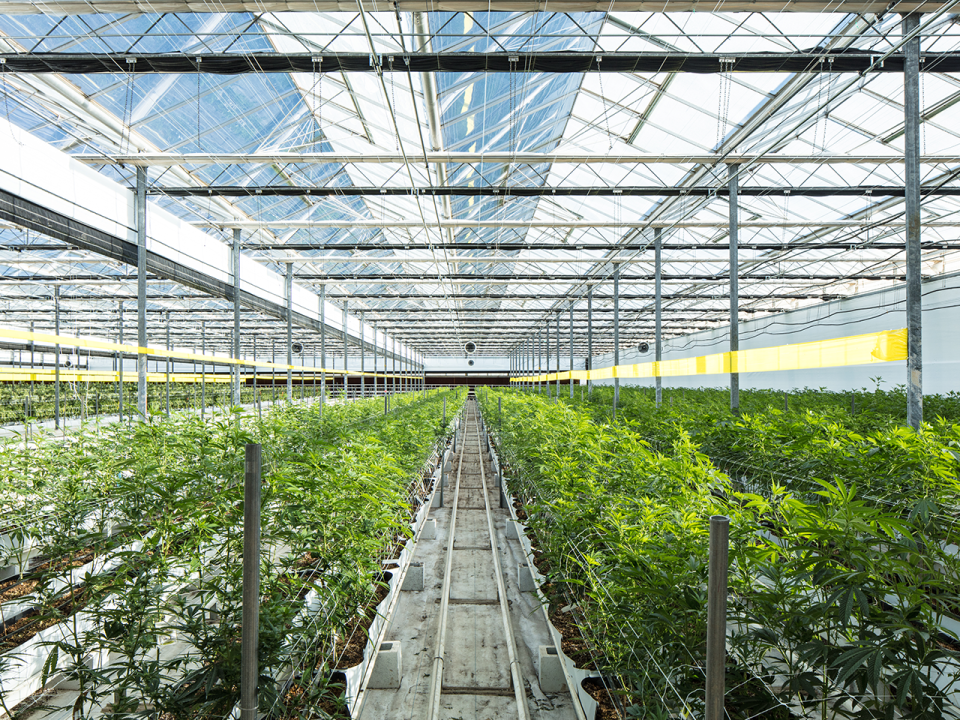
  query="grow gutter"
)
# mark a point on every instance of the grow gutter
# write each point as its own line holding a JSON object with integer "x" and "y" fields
{"x": 576, "y": 690}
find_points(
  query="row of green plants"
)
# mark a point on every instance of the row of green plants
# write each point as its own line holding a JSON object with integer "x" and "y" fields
{"x": 838, "y": 608}
{"x": 889, "y": 463}
{"x": 22, "y": 402}
{"x": 162, "y": 501}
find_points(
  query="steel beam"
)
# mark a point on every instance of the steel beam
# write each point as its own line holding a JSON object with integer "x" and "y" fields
{"x": 235, "y": 272}
{"x": 616, "y": 335}
{"x": 141, "y": 221}
{"x": 845, "y": 60}
{"x": 911, "y": 107}
{"x": 247, "y": 191}
{"x": 167, "y": 159}
{"x": 288, "y": 291}
{"x": 658, "y": 312}
{"x": 589, "y": 362}
{"x": 733, "y": 179}
{"x": 153, "y": 7}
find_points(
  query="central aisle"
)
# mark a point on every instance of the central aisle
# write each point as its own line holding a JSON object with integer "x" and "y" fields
{"x": 477, "y": 681}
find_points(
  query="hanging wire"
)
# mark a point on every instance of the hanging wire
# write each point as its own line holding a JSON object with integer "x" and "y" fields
{"x": 6, "y": 99}
{"x": 318, "y": 101}
{"x": 125, "y": 129}
{"x": 199, "y": 147}
{"x": 723, "y": 109}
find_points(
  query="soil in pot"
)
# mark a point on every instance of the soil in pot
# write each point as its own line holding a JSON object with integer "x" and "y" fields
{"x": 350, "y": 645}
{"x": 606, "y": 707}
{"x": 17, "y": 632}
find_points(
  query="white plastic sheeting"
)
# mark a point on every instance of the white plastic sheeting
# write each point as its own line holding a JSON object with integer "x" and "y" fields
{"x": 35, "y": 171}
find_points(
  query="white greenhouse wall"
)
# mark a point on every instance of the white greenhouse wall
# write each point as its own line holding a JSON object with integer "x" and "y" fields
{"x": 855, "y": 315}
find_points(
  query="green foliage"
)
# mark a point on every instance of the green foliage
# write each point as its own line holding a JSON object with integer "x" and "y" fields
{"x": 841, "y": 598}
{"x": 159, "y": 506}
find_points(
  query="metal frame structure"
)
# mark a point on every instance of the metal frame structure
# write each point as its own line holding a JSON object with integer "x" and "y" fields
{"x": 382, "y": 161}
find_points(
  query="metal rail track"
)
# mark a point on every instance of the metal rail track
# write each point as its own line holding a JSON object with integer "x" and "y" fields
{"x": 470, "y": 455}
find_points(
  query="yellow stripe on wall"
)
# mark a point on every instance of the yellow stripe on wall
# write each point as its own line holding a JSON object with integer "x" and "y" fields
{"x": 886, "y": 346}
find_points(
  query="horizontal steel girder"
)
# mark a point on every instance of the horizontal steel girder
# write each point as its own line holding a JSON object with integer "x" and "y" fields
{"x": 810, "y": 61}
{"x": 495, "y": 158}
{"x": 153, "y": 7}
{"x": 537, "y": 191}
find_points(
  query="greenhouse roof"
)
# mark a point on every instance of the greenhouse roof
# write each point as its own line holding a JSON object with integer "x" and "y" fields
{"x": 475, "y": 205}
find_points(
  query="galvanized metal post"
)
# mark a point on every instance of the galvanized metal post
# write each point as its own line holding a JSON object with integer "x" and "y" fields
{"x": 363, "y": 358}
{"x": 203, "y": 368}
{"x": 273, "y": 370}
{"x": 250, "y": 629}
{"x": 558, "y": 355}
{"x": 658, "y": 311}
{"x": 911, "y": 137}
{"x": 345, "y": 380}
{"x": 717, "y": 616}
{"x": 141, "y": 220}
{"x": 571, "y": 349}
{"x": 546, "y": 381}
{"x": 235, "y": 257}
{"x": 589, "y": 362}
{"x": 323, "y": 348}
{"x": 289, "y": 293}
{"x": 374, "y": 359}
{"x": 56, "y": 357}
{"x": 120, "y": 359}
{"x": 616, "y": 336}
{"x": 168, "y": 364}
{"x": 539, "y": 358}
{"x": 733, "y": 184}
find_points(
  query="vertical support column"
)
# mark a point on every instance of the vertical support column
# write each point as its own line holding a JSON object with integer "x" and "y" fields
{"x": 235, "y": 258}
{"x": 539, "y": 358}
{"x": 547, "y": 381}
{"x": 56, "y": 357}
{"x": 589, "y": 362}
{"x": 733, "y": 181}
{"x": 658, "y": 311}
{"x": 911, "y": 137}
{"x": 363, "y": 358}
{"x": 616, "y": 336}
{"x": 141, "y": 216}
{"x": 571, "y": 349}
{"x": 168, "y": 364}
{"x": 203, "y": 368}
{"x": 717, "y": 616}
{"x": 558, "y": 355}
{"x": 250, "y": 629}
{"x": 289, "y": 293}
{"x": 323, "y": 347}
{"x": 345, "y": 380}
{"x": 120, "y": 359}
{"x": 374, "y": 359}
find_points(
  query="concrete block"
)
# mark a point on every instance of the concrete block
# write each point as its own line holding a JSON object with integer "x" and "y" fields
{"x": 525, "y": 578}
{"x": 386, "y": 669}
{"x": 413, "y": 580}
{"x": 436, "y": 499}
{"x": 429, "y": 531}
{"x": 550, "y": 672}
{"x": 513, "y": 530}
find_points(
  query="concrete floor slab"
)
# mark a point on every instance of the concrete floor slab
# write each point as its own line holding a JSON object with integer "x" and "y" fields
{"x": 472, "y": 576}
{"x": 476, "y": 648}
{"x": 472, "y": 530}
{"x": 471, "y": 499}
{"x": 477, "y": 707}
